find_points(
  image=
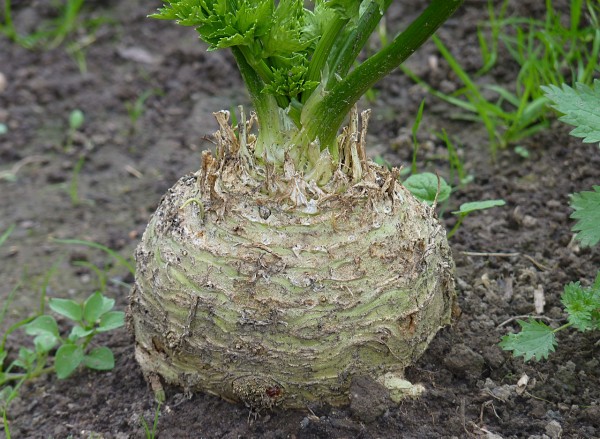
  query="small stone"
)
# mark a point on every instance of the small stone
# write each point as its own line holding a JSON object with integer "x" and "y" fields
{"x": 3, "y": 82}
{"x": 504, "y": 392}
{"x": 554, "y": 430}
{"x": 138, "y": 54}
{"x": 529, "y": 221}
{"x": 304, "y": 423}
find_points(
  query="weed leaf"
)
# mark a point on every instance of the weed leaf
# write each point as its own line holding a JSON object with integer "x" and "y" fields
{"x": 467, "y": 208}
{"x": 424, "y": 186}
{"x": 67, "y": 307}
{"x": 76, "y": 119}
{"x": 100, "y": 358}
{"x": 587, "y": 212}
{"x": 5, "y": 393}
{"x": 111, "y": 320}
{"x": 581, "y": 108}
{"x": 582, "y": 305}
{"x": 43, "y": 325}
{"x": 79, "y": 332}
{"x": 68, "y": 357}
{"x": 25, "y": 359}
{"x": 44, "y": 343}
{"x": 95, "y": 306}
{"x": 536, "y": 339}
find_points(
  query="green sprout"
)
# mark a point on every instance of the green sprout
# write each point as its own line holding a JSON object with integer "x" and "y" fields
{"x": 76, "y": 121}
{"x": 466, "y": 209}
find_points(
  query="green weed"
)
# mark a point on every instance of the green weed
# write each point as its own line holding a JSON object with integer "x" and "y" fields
{"x": 50, "y": 34}
{"x": 433, "y": 189}
{"x": 75, "y": 122}
{"x": 74, "y": 185}
{"x": 151, "y": 433}
{"x": 52, "y": 351}
{"x": 136, "y": 108}
{"x": 547, "y": 52}
{"x": 580, "y": 107}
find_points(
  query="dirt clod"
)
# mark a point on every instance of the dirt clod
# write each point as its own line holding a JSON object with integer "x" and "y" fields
{"x": 464, "y": 362}
{"x": 368, "y": 399}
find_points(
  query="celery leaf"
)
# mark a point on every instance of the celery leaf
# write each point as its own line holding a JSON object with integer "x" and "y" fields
{"x": 536, "y": 340}
{"x": 587, "y": 212}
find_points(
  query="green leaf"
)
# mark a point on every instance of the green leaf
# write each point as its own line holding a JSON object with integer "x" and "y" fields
{"x": 79, "y": 332}
{"x": 536, "y": 339}
{"x": 424, "y": 186}
{"x": 222, "y": 23}
{"x": 43, "y": 325}
{"x": 67, "y": 307}
{"x": 44, "y": 343}
{"x": 5, "y": 393}
{"x": 95, "y": 306}
{"x": 473, "y": 206}
{"x": 582, "y": 305}
{"x": 25, "y": 359}
{"x": 100, "y": 358}
{"x": 587, "y": 211}
{"x": 46, "y": 331}
{"x": 522, "y": 151}
{"x": 76, "y": 119}
{"x": 111, "y": 320}
{"x": 68, "y": 358}
{"x": 284, "y": 35}
{"x": 581, "y": 108}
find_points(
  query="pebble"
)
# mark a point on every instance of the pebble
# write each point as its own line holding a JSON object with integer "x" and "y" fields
{"x": 3, "y": 82}
{"x": 554, "y": 430}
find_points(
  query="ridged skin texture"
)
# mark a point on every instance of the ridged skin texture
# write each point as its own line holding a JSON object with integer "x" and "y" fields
{"x": 244, "y": 296}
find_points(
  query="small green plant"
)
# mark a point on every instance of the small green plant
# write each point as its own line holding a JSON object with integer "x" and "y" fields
{"x": 433, "y": 189}
{"x": 580, "y": 107}
{"x": 136, "y": 108}
{"x": 49, "y": 34}
{"x": 74, "y": 185}
{"x": 521, "y": 151}
{"x": 89, "y": 318}
{"x": 75, "y": 122}
{"x": 151, "y": 432}
{"x": 536, "y": 339}
{"x": 54, "y": 351}
{"x": 547, "y": 51}
{"x": 93, "y": 316}
{"x": 466, "y": 209}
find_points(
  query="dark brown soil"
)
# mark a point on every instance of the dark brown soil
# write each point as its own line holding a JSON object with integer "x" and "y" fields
{"x": 502, "y": 255}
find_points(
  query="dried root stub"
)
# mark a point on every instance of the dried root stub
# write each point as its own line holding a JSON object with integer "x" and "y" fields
{"x": 268, "y": 288}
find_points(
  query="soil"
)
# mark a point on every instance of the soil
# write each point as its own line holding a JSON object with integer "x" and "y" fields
{"x": 504, "y": 256}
